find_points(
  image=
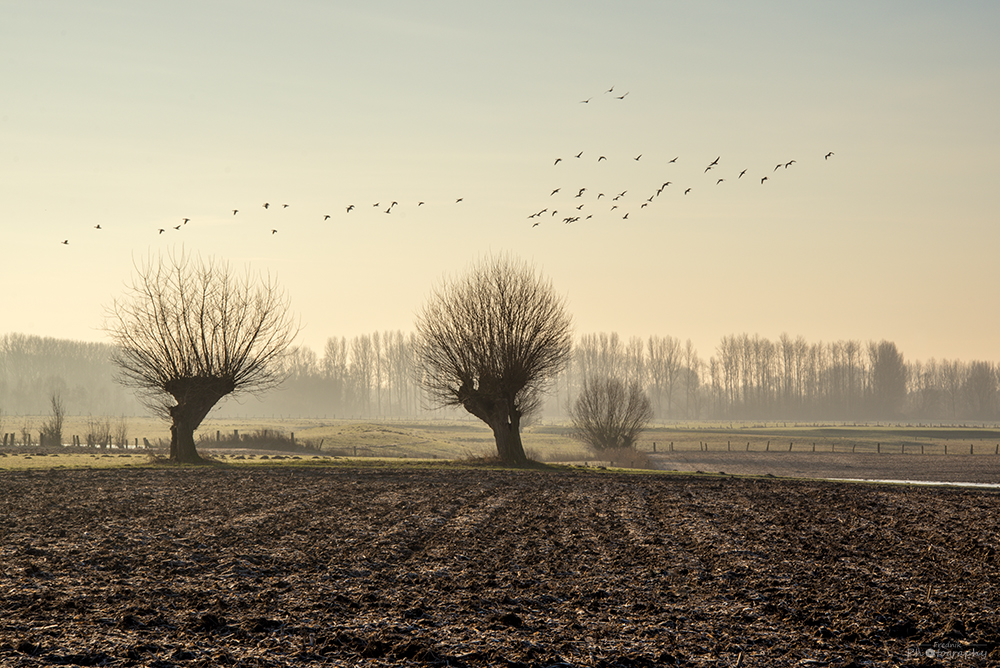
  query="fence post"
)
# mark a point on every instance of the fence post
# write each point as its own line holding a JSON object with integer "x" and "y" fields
{"x": 789, "y": 446}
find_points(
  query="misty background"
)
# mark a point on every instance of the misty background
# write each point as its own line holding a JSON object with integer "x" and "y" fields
{"x": 368, "y": 376}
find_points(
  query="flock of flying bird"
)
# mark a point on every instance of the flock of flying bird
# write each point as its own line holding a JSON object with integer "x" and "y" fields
{"x": 267, "y": 205}
{"x": 580, "y": 212}
{"x": 616, "y": 201}
{"x": 580, "y": 208}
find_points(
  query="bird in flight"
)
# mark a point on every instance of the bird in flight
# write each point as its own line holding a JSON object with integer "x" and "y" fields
{"x": 267, "y": 204}
{"x": 719, "y": 181}
{"x": 763, "y": 179}
{"x": 161, "y": 230}
{"x": 186, "y": 220}
{"x": 393, "y": 204}
{"x": 582, "y": 190}
{"x": 601, "y": 158}
{"x": 789, "y": 163}
{"x": 554, "y": 192}
{"x": 827, "y": 156}
{"x": 687, "y": 191}
{"x": 177, "y": 227}
{"x": 586, "y": 101}
{"x": 274, "y": 231}
{"x": 326, "y": 217}
{"x": 625, "y": 217}
{"x": 389, "y": 210}
{"x": 776, "y": 166}
{"x": 350, "y": 207}
{"x": 459, "y": 200}
{"x": 558, "y": 160}
{"x": 638, "y": 156}
{"x": 609, "y": 90}
{"x": 741, "y": 174}
{"x": 97, "y": 227}
{"x": 235, "y": 211}
{"x": 535, "y": 225}
{"x": 622, "y": 97}
{"x": 674, "y": 160}
{"x": 579, "y": 154}
{"x": 284, "y": 206}
{"x": 66, "y": 242}
{"x": 420, "y": 203}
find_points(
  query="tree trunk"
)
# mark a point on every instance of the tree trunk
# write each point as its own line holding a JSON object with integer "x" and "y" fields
{"x": 502, "y": 416}
{"x": 182, "y": 448}
{"x": 195, "y": 398}
{"x": 508, "y": 439}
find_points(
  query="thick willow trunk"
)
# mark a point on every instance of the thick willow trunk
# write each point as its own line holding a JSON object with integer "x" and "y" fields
{"x": 508, "y": 438}
{"x": 195, "y": 398}
{"x": 502, "y": 416}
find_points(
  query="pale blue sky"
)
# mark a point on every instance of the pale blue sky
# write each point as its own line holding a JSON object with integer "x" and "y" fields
{"x": 134, "y": 115}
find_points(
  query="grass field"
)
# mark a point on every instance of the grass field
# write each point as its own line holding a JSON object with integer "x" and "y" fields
{"x": 552, "y": 442}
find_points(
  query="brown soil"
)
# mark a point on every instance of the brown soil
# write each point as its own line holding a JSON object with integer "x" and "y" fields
{"x": 282, "y": 566}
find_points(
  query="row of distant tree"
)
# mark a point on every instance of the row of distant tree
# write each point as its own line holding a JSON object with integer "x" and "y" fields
{"x": 747, "y": 377}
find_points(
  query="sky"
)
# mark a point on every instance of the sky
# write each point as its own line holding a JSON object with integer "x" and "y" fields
{"x": 136, "y": 115}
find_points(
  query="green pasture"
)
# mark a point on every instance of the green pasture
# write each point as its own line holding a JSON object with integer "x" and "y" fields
{"x": 470, "y": 440}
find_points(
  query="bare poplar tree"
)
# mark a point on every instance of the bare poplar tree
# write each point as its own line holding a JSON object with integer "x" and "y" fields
{"x": 607, "y": 415}
{"x": 190, "y": 332}
{"x": 490, "y": 341}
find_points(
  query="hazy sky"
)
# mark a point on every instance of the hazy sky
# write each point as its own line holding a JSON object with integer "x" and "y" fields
{"x": 135, "y": 115}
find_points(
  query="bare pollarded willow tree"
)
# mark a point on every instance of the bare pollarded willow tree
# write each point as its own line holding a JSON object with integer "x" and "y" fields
{"x": 608, "y": 415}
{"x": 490, "y": 341}
{"x": 189, "y": 332}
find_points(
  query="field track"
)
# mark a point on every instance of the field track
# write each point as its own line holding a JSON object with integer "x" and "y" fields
{"x": 272, "y": 566}
{"x": 983, "y": 469}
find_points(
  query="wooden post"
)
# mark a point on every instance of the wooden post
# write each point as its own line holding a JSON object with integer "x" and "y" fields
{"x": 654, "y": 446}
{"x": 789, "y": 446}
{"x": 878, "y": 448}
{"x": 768, "y": 448}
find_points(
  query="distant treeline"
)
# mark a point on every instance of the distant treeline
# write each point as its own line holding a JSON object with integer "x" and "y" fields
{"x": 34, "y": 368}
{"x": 372, "y": 375}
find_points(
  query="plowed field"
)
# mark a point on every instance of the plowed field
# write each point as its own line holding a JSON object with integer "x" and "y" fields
{"x": 272, "y": 566}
